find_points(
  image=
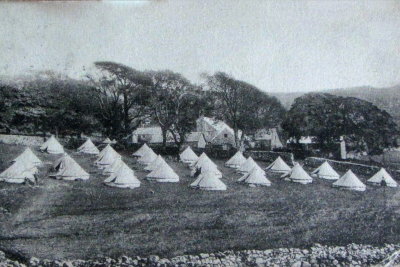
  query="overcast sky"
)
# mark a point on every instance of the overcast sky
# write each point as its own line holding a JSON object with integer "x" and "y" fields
{"x": 275, "y": 45}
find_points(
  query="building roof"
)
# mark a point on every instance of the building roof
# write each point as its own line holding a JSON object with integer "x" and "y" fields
{"x": 194, "y": 136}
{"x": 218, "y": 125}
{"x": 156, "y": 134}
{"x": 155, "y": 130}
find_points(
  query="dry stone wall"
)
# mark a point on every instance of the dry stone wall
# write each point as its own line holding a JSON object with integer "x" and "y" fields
{"x": 318, "y": 255}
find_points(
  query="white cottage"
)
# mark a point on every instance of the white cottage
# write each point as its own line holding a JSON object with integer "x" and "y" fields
{"x": 216, "y": 132}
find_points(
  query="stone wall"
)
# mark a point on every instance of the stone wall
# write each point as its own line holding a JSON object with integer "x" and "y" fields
{"x": 32, "y": 140}
{"x": 24, "y": 140}
{"x": 318, "y": 255}
{"x": 270, "y": 156}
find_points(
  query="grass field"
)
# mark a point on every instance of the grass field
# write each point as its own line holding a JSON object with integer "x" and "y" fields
{"x": 85, "y": 219}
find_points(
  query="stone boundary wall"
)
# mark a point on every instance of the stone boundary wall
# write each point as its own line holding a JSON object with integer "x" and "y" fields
{"x": 25, "y": 140}
{"x": 270, "y": 156}
{"x": 32, "y": 140}
{"x": 318, "y": 255}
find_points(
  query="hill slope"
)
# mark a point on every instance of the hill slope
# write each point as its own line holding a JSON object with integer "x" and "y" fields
{"x": 384, "y": 98}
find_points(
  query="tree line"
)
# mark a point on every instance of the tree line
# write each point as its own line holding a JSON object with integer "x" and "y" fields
{"x": 116, "y": 99}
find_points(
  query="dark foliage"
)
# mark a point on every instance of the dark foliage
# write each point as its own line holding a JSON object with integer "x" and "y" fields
{"x": 175, "y": 104}
{"x": 62, "y": 106}
{"x": 122, "y": 93}
{"x": 242, "y": 105}
{"x": 327, "y": 117}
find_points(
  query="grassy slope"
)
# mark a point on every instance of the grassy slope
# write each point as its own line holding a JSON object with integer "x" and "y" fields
{"x": 60, "y": 219}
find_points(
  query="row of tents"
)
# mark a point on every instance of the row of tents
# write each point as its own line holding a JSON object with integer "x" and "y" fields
{"x": 255, "y": 176}
{"x": 25, "y": 166}
{"x": 203, "y": 169}
{"x": 52, "y": 146}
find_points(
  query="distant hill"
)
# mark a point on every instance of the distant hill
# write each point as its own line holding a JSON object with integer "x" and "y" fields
{"x": 384, "y": 98}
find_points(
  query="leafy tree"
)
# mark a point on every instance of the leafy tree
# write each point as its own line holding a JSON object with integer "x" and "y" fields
{"x": 122, "y": 95}
{"x": 48, "y": 104}
{"x": 243, "y": 105}
{"x": 327, "y": 117}
{"x": 175, "y": 104}
{"x": 7, "y": 97}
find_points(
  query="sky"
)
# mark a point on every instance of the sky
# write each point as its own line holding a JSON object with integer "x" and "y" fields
{"x": 278, "y": 46}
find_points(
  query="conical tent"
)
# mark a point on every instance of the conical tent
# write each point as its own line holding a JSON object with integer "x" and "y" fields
{"x": 113, "y": 167}
{"x": 164, "y": 173}
{"x": 107, "y": 141}
{"x": 208, "y": 181}
{"x": 28, "y": 157}
{"x": 278, "y": 166}
{"x": 188, "y": 156}
{"x": 88, "y": 148}
{"x": 148, "y": 157}
{"x": 204, "y": 161}
{"x": 247, "y": 165}
{"x": 350, "y": 181}
{"x": 18, "y": 173}
{"x": 298, "y": 175}
{"x": 255, "y": 177}
{"x": 207, "y": 165}
{"x": 107, "y": 157}
{"x": 104, "y": 150}
{"x": 68, "y": 169}
{"x": 202, "y": 157}
{"x": 154, "y": 164}
{"x": 124, "y": 177}
{"x": 142, "y": 150}
{"x": 236, "y": 160}
{"x": 52, "y": 146}
{"x": 383, "y": 178}
{"x": 57, "y": 163}
{"x": 325, "y": 171}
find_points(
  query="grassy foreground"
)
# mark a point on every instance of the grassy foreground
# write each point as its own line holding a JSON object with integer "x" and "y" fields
{"x": 60, "y": 219}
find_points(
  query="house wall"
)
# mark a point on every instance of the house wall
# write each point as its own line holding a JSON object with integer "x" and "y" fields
{"x": 134, "y": 139}
{"x": 201, "y": 143}
{"x": 224, "y": 137}
{"x": 275, "y": 140}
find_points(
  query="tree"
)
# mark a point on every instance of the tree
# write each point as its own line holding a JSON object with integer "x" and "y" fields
{"x": 243, "y": 105}
{"x": 48, "y": 103}
{"x": 174, "y": 104}
{"x": 327, "y": 117}
{"x": 122, "y": 95}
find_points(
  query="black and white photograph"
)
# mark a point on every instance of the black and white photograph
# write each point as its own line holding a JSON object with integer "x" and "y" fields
{"x": 192, "y": 133}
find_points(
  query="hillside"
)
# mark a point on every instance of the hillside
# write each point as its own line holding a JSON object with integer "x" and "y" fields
{"x": 384, "y": 98}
